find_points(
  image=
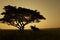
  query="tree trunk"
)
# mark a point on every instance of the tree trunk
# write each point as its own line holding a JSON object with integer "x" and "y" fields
{"x": 21, "y": 28}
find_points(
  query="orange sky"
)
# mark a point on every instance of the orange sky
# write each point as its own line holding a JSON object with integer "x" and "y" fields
{"x": 48, "y": 8}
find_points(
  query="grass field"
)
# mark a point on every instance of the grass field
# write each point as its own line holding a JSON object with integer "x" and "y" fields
{"x": 45, "y": 34}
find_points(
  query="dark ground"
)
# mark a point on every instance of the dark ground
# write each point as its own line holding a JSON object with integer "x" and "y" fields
{"x": 46, "y": 34}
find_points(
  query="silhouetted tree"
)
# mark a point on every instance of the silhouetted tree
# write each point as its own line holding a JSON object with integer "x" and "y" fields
{"x": 19, "y": 17}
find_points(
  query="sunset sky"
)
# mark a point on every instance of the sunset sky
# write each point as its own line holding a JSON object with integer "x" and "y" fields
{"x": 50, "y": 9}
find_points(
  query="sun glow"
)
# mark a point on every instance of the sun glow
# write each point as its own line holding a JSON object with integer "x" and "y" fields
{"x": 48, "y": 8}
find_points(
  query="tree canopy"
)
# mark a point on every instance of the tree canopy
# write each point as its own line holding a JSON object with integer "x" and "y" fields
{"x": 19, "y": 17}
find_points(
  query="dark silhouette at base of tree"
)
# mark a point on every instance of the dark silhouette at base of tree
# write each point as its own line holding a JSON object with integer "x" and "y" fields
{"x": 19, "y": 17}
{"x": 34, "y": 28}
